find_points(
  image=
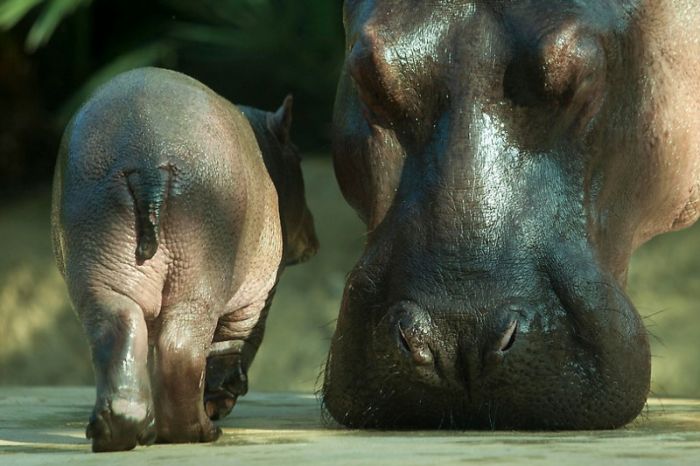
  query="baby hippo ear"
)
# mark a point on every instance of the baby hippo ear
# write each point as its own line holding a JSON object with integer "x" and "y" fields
{"x": 280, "y": 122}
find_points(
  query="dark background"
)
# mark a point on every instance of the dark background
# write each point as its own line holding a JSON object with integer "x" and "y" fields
{"x": 54, "y": 53}
{"x": 253, "y": 52}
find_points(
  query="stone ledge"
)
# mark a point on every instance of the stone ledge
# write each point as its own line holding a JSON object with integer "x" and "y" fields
{"x": 45, "y": 426}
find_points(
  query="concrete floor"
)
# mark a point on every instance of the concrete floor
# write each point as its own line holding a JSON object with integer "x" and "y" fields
{"x": 44, "y": 426}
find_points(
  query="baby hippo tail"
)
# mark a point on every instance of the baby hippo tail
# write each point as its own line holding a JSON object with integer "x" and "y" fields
{"x": 149, "y": 189}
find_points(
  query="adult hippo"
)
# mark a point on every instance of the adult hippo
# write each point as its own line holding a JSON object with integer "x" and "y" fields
{"x": 507, "y": 157}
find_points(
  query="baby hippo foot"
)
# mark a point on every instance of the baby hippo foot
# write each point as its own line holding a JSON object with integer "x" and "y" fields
{"x": 205, "y": 431}
{"x": 120, "y": 425}
{"x": 226, "y": 380}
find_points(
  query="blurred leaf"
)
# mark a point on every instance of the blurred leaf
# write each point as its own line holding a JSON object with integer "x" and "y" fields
{"x": 295, "y": 39}
{"x": 161, "y": 52}
{"x": 249, "y": 50}
{"x": 49, "y": 19}
{"x": 12, "y": 11}
{"x": 223, "y": 12}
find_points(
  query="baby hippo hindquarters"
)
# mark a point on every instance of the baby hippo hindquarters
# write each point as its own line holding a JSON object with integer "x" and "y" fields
{"x": 168, "y": 232}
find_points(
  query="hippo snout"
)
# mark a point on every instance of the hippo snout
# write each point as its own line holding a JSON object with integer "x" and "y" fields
{"x": 571, "y": 354}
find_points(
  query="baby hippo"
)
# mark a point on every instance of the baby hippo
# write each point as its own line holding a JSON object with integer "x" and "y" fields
{"x": 173, "y": 214}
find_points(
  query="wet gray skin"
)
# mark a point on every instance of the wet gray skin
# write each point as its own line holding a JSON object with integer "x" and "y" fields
{"x": 507, "y": 158}
{"x": 174, "y": 214}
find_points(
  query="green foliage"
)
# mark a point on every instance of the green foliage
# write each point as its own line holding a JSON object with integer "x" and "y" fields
{"x": 301, "y": 37}
{"x": 52, "y": 13}
{"x": 11, "y": 11}
{"x": 271, "y": 47}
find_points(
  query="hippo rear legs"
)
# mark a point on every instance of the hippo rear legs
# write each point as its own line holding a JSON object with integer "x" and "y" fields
{"x": 123, "y": 414}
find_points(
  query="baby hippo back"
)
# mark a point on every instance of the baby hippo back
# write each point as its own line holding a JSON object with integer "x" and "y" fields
{"x": 161, "y": 194}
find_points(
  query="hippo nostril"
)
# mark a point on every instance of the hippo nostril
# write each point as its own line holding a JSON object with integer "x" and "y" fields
{"x": 403, "y": 342}
{"x": 414, "y": 346}
{"x": 508, "y": 338}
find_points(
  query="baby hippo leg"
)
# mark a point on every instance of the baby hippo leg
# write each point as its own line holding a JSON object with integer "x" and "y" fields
{"x": 180, "y": 359}
{"x": 116, "y": 330}
{"x": 227, "y": 376}
{"x": 237, "y": 339}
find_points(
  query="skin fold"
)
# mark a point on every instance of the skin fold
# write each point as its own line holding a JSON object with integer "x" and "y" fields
{"x": 507, "y": 158}
{"x": 174, "y": 213}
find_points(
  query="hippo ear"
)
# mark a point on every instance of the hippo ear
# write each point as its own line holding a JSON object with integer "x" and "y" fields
{"x": 565, "y": 64}
{"x": 280, "y": 122}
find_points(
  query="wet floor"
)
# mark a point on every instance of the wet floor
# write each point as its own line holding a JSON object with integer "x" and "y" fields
{"x": 44, "y": 426}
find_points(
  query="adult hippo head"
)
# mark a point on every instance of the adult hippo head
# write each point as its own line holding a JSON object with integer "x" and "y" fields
{"x": 507, "y": 157}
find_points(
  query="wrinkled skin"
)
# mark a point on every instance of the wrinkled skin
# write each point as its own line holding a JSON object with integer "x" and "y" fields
{"x": 174, "y": 213}
{"x": 507, "y": 157}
